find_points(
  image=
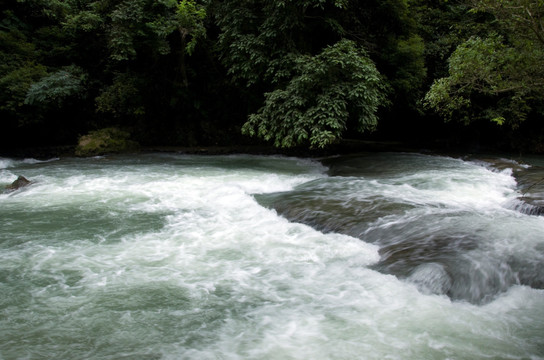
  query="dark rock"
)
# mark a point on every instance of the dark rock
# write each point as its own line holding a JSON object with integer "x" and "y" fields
{"x": 530, "y": 209}
{"x": 19, "y": 183}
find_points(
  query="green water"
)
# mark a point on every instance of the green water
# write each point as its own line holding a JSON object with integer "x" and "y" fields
{"x": 189, "y": 257}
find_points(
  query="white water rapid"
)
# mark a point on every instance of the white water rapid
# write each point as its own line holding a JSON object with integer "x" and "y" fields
{"x": 167, "y": 256}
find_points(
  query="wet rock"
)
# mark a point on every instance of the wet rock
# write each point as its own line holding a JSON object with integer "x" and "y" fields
{"x": 19, "y": 183}
{"x": 431, "y": 278}
{"x": 530, "y": 209}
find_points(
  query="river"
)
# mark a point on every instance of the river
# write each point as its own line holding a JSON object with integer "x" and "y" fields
{"x": 171, "y": 256}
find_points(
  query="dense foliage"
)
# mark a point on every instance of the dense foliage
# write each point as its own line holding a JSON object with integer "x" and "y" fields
{"x": 315, "y": 104}
{"x": 498, "y": 76}
{"x": 287, "y": 72}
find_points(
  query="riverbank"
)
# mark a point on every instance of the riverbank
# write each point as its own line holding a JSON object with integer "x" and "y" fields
{"x": 343, "y": 147}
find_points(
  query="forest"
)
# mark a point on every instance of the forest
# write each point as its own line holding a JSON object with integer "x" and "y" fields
{"x": 286, "y": 73}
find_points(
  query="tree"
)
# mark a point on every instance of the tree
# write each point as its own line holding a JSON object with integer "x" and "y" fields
{"x": 499, "y": 77}
{"x": 21, "y": 64}
{"x": 122, "y": 97}
{"x": 139, "y": 42}
{"x": 20, "y": 67}
{"x": 187, "y": 18}
{"x": 55, "y": 88}
{"x": 309, "y": 59}
{"x": 259, "y": 40}
{"x": 523, "y": 17}
{"x": 315, "y": 105}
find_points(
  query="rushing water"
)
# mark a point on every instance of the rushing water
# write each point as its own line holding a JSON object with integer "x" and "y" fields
{"x": 381, "y": 256}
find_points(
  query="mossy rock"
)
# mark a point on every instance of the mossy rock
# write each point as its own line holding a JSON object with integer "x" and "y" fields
{"x": 105, "y": 141}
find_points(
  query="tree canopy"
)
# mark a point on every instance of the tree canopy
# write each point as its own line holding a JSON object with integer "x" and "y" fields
{"x": 287, "y": 72}
{"x": 315, "y": 105}
{"x": 498, "y": 76}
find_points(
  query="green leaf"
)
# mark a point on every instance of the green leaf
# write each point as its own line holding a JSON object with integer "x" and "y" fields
{"x": 312, "y": 108}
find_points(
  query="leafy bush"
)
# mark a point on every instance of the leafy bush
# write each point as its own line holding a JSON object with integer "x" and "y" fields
{"x": 53, "y": 89}
{"x": 315, "y": 105}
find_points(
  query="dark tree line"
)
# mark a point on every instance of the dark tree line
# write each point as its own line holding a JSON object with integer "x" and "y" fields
{"x": 287, "y": 72}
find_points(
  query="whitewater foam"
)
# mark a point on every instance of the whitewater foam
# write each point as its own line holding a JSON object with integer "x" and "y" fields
{"x": 172, "y": 257}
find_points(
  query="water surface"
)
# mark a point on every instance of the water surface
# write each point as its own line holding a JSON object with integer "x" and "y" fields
{"x": 163, "y": 256}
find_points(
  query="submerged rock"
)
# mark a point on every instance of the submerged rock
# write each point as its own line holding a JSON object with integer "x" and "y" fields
{"x": 431, "y": 278}
{"x": 19, "y": 183}
{"x": 529, "y": 209}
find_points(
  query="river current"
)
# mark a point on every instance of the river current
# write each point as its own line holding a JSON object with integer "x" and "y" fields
{"x": 171, "y": 256}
